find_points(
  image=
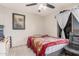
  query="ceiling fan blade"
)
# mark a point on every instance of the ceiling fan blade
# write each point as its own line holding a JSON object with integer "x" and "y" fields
{"x": 50, "y": 6}
{"x": 32, "y": 4}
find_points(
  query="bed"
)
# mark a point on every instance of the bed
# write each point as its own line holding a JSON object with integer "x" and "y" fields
{"x": 46, "y": 45}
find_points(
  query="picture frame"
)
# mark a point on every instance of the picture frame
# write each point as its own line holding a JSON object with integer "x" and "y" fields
{"x": 18, "y": 21}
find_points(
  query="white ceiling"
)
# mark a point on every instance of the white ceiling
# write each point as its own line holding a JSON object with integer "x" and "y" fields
{"x": 34, "y": 9}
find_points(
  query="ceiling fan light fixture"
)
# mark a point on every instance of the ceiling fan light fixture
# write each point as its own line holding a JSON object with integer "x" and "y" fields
{"x": 42, "y": 7}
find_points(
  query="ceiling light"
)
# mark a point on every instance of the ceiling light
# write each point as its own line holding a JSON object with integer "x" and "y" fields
{"x": 42, "y": 7}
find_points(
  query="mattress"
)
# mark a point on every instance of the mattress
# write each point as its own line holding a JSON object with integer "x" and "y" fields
{"x": 46, "y": 45}
{"x": 53, "y": 49}
{"x": 56, "y": 53}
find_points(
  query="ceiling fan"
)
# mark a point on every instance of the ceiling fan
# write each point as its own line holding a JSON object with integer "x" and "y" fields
{"x": 41, "y": 6}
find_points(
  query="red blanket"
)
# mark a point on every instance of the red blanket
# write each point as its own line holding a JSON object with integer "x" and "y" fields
{"x": 39, "y": 45}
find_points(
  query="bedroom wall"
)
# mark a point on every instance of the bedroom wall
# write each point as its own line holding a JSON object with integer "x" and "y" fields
{"x": 33, "y": 23}
{"x": 51, "y": 24}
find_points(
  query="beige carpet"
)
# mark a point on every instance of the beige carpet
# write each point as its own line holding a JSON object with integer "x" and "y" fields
{"x": 21, "y": 51}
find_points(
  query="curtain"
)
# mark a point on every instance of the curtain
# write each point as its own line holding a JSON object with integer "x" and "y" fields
{"x": 62, "y": 19}
{"x": 75, "y": 12}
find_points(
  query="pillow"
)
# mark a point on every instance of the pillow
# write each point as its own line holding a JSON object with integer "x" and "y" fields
{"x": 37, "y": 35}
{"x": 46, "y": 35}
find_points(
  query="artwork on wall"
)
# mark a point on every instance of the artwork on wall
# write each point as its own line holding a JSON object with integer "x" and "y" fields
{"x": 18, "y": 21}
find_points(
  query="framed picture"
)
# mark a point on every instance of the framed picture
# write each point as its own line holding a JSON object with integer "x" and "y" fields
{"x": 18, "y": 21}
